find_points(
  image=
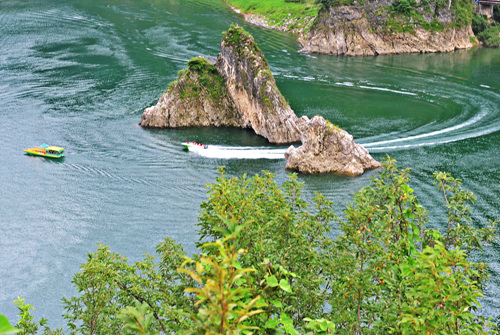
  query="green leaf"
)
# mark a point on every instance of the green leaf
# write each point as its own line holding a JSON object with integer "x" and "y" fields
{"x": 285, "y": 319}
{"x": 272, "y": 281}
{"x": 285, "y": 286}
{"x": 5, "y": 326}
{"x": 276, "y": 303}
{"x": 272, "y": 323}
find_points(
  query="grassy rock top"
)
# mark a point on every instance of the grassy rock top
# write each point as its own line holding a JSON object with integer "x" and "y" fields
{"x": 201, "y": 65}
{"x": 243, "y": 43}
{"x": 200, "y": 77}
{"x": 406, "y": 15}
{"x": 238, "y": 37}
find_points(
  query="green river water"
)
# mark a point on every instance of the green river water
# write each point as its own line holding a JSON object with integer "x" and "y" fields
{"x": 79, "y": 73}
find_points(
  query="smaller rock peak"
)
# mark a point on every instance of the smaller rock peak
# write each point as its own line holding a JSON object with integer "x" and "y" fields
{"x": 327, "y": 148}
{"x": 238, "y": 37}
{"x": 242, "y": 43}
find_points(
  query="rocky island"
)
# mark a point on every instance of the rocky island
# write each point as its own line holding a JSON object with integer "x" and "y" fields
{"x": 325, "y": 148}
{"x": 238, "y": 90}
{"x": 378, "y": 27}
{"x": 375, "y": 27}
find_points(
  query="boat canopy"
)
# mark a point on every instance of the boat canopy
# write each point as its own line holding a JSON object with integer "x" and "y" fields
{"x": 53, "y": 148}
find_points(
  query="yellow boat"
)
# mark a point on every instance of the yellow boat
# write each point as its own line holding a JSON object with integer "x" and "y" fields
{"x": 46, "y": 150}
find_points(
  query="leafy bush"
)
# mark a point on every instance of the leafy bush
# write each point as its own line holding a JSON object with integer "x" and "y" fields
{"x": 479, "y": 23}
{"x": 463, "y": 11}
{"x": 490, "y": 37}
{"x": 496, "y": 13}
{"x": 280, "y": 232}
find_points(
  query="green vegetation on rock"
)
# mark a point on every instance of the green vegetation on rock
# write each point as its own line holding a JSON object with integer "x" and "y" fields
{"x": 200, "y": 77}
{"x": 238, "y": 38}
{"x": 406, "y": 15}
{"x": 490, "y": 37}
{"x": 331, "y": 125}
{"x": 267, "y": 263}
{"x": 479, "y": 23}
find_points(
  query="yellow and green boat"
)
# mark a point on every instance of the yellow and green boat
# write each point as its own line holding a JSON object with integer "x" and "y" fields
{"x": 46, "y": 150}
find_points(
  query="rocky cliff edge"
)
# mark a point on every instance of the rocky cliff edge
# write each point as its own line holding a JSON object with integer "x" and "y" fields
{"x": 369, "y": 28}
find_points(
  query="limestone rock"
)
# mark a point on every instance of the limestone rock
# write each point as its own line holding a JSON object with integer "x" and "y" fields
{"x": 326, "y": 148}
{"x": 252, "y": 88}
{"x": 197, "y": 99}
{"x": 356, "y": 31}
{"x": 239, "y": 91}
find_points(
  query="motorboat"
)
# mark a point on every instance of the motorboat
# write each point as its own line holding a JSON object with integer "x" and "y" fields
{"x": 46, "y": 150}
{"x": 194, "y": 146}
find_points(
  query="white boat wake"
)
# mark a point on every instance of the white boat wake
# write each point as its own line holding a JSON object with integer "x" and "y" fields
{"x": 227, "y": 152}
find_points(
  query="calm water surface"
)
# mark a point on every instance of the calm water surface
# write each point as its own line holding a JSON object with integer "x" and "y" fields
{"x": 78, "y": 74}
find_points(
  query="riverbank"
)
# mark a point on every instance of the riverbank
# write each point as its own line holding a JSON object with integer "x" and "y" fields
{"x": 293, "y": 17}
{"x": 365, "y": 28}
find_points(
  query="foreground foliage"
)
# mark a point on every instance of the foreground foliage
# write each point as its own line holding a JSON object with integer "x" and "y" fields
{"x": 267, "y": 265}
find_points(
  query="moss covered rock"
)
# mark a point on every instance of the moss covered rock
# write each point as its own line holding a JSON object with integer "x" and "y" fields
{"x": 197, "y": 98}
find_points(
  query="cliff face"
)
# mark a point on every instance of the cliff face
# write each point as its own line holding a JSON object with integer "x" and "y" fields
{"x": 356, "y": 30}
{"x": 198, "y": 98}
{"x": 253, "y": 89}
{"x": 326, "y": 148}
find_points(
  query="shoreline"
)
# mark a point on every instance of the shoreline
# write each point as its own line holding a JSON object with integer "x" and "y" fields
{"x": 315, "y": 42}
{"x": 262, "y": 21}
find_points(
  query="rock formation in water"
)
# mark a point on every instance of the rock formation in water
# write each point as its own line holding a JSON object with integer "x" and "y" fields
{"x": 198, "y": 98}
{"x": 253, "y": 89}
{"x": 373, "y": 28}
{"x": 327, "y": 148}
{"x": 240, "y": 91}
